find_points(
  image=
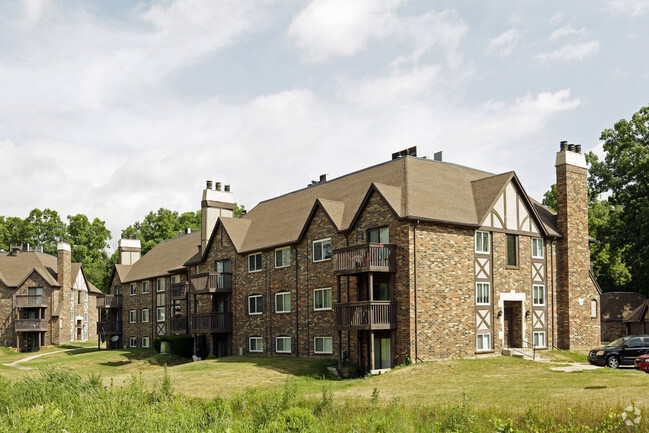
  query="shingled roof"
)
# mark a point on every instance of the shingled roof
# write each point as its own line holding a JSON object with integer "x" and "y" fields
{"x": 415, "y": 188}
{"x": 167, "y": 256}
{"x": 617, "y": 306}
{"x": 14, "y": 270}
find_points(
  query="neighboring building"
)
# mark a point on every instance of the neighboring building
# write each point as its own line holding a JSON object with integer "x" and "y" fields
{"x": 410, "y": 258}
{"x": 44, "y": 299}
{"x": 616, "y": 307}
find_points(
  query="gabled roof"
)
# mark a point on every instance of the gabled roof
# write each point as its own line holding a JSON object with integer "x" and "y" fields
{"x": 638, "y": 314}
{"x": 164, "y": 257}
{"x": 76, "y": 268}
{"x": 618, "y": 305}
{"x": 415, "y": 188}
{"x": 16, "y": 269}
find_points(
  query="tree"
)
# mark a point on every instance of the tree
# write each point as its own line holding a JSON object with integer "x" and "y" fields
{"x": 44, "y": 228}
{"x": 88, "y": 242}
{"x": 623, "y": 177}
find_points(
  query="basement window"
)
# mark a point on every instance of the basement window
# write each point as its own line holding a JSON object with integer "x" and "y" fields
{"x": 483, "y": 342}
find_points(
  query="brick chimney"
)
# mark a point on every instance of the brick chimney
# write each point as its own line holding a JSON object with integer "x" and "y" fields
{"x": 215, "y": 204}
{"x": 576, "y": 326}
{"x": 64, "y": 267}
{"x": 129, "y": 250}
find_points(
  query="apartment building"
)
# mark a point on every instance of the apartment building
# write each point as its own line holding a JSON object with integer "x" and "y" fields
{"x": 413, "y": 258}
{"x": 44, "y": 300}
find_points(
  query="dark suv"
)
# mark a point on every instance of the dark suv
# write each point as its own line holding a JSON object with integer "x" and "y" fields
{"x": 622, "y": 351}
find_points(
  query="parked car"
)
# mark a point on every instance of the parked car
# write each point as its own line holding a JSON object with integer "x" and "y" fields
{"x": 622, "y": 351}
{"x": 642, "y": 363}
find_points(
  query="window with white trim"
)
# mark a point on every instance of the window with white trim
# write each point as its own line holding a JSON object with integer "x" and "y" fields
{"x": 145, "y": 315}
{"x": 593, "y": 308}
{"x": 256, "y": 344}
{"x": 322, "y": 250}
{"x": 483, "y": 342}
{"x": 254, "y": 262}
{"x": 160, "y": 314}
{"x": 283, "y": 345}
{"x": 132, "y": 342}
{"x": 255, "y": 304}
{"x": 175, "y": 279}
{"x": 538, "y": 294}
{"x": 283, "y": 302}
{"x": 539, "y": 339}
{"x": 72, "y": 294}
{"x": 323, "y": 345}
{"x": 322, "y": 299}
{"x": 132, "y": 316}
{"x": 133, "y": 289}
{"x": 145, "y": 287}
{"x": 85, "y": 317}
{"x": 482, "y": 242}
{"x": 85, "y": 296}
{"x": 160, "y": 285}
{"x": 537, "y": 248}
{"x": 283, "y": 257}
{"x": 482, "y": 293}
{"x": 145, "y": 341}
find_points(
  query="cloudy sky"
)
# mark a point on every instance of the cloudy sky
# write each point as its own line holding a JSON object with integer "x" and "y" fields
{"x": 115, "y": 108}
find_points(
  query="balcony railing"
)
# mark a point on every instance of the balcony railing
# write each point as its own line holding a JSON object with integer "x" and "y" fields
{"x": 178, "y": 325}
{"x": 212, "y": 282}
{"x": 211, "y": 322}
{"x": 31, "y": 325}
{"x": 112, "y": 327}
{"x": 31, "y": 301}
{"x": 178, "y": 290}
{"x": 366, "y": 315}
{"x": 365, "y": 258}
{"x": 110, "y": 301}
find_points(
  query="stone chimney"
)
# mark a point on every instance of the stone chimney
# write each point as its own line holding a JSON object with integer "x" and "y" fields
{"x": 129, "y": 250}
{"x": 64, "y": 267}
{"x": 576, "y": 325}
{"x": 215, "y": 204}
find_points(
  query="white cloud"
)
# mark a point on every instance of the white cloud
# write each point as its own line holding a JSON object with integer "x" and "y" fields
{"x": 569, "y": 52}
{"x": 632, "y": 8}
{"x": 557, "y": 18}
{"x": 503, "y": 44}
{"x": 338, "y": 27}
{"x": 566, "y": 31}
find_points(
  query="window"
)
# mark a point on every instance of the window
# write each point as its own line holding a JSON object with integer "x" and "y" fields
{"x": 283, "y": 344}
{"x": 175, "y": 279}
{"x": 283, "y": 302}
{"x": 482, "y": 293}
{"x": 145, "y": 341}
{"x": 85, "y": 296}
{"x": 634, "y": 343}
{"x": 132, "y": 342}
{"x": 282, "y": 257}
{"x": 145, "y": 315}
{"x": 145, "y": 287}
{"x": 133, "y": 290}
{"x": 160, "y": 314}
{"x": 323, "y": 345}
{"x": 118, "y": 290}
{"x": 223, "y": 266}
{"x": 160, "y": 285}
{"x": 255, "y": 304}
{"x": 254, "y": 262}
{"x": 379, "y": 236}
{"x": 482, "y": 242}
{"x": 256, "y": 344}
{"x": 72, "y": 294}
{"x": 512, "y": 250}
{"x": 322, "y": 250}
{"x": 538, "y": 294}
{"x": 483, "y": 342}
{"x": 539, "y": 339}
{"x": 132, "y": 316}
{"x": 593, "y": 308}
{"x": 537, "y": 248}
{"x": 322, "y": 299}
{"x": 85, "y": 317}
{"x": 79, "y": 297}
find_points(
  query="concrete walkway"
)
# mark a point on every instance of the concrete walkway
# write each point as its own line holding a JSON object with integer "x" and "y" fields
{"x": 574, "y": 366}
{"x": 29, "y": 358}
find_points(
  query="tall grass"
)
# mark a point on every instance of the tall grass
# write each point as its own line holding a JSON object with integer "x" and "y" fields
{"x": 60, "y": 400}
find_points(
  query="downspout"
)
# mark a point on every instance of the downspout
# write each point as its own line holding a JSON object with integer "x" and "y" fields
{"x": 414, "y": 256}
{"x": 554, "y": 288}
{"x": 297, "y": 308}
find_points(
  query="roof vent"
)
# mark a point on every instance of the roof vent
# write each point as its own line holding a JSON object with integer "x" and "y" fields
{"x": 411, "y": 151}
{"x": 438, "y": 156}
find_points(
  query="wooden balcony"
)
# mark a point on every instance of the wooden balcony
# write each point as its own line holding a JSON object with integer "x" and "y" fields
{"x": 365, "y": 258}
{"x": 212, "y": 282}
{"x": 111, "y": 327}
{"x": 366, "y": 315}
{"x": 31, "y": 301}
{"x": 110, "y": 301}
{"x": 31, "y": 325}
{"x": 179, "y": 290}
{"x": 211, "y": 322}
{"x": 178, "y": 325}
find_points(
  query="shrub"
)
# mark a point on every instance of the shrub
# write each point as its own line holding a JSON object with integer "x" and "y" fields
{"x": 181, "y": 345}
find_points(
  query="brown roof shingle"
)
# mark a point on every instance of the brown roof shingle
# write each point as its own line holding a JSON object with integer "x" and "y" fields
{"x": 15, "y": 269}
